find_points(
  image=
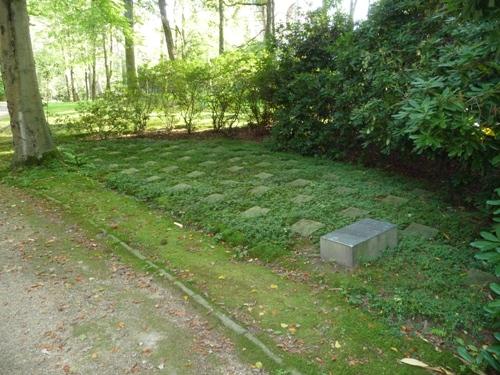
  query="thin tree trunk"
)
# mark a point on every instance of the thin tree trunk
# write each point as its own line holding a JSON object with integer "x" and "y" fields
{"x": 129, "y": 46}
{"x": 68, "y": 90}
{"x": 167, "y": 30}
{"x": 106, "y": 66}
{"x": 86, "y": 84}
{"x": 30, "y": 133}
{"x": 221, "y": 27}
{"x": 93, "y": 70}
{"x": 73, "y": 89}
{"x": 270, "y": 28}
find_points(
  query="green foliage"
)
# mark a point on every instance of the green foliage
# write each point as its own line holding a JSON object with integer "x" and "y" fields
{"x": 489, "y": 252}
{"x": 115, "y": 112}
{"x": 412, "y": 80}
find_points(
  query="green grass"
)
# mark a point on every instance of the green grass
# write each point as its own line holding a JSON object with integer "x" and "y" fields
{"x": 413, "y": 291}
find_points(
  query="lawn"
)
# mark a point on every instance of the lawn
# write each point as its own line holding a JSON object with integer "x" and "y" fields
{"x": 418, "y": 292}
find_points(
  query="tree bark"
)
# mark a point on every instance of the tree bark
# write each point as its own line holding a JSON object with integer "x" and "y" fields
{"x": 31, "y": 135}
{"x": 167, "y": 30}
{"x": 129, "y": 47}
{"x": 221, "y": 27}
{"x": 93, "y": 74}
{"x": 68, "y": 90}
{"x": 86, "y": 84}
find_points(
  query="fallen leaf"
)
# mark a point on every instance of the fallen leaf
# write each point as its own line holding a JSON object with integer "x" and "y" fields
{"x": 222, "y": 277}
{"x": 274, "y": 286}
{"x": 284, "y": 325}
{"x": 178, "y": 224}
{"x": 258, "y": 365}
{"x": 120, "y": 325}
{"x": 66, "y": 369}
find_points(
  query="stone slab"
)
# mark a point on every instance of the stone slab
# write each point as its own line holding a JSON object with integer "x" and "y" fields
{"x": 354, "y": 212}
{"x": 214, "y": 198}
{"x": 234, "y": 169}
{"x": 208, "y": 163}
{"x": 180, "y": 188}
{"x": 170, "y": 169}
{"x": 420, "y": 230}
{"x": 130, "y": 171}
{"x": 394, "y": 200}
{"x": 195, "y": 174}
{"x": 305, "y": 227}
{"x": 362, "y": 241}
{"x": 259, "y": 190}
{"x": 255, "y": 211}
{"x": 344, "y": 190}
{"x": 302, "y": 199}
{"x": 153, "y": 179}
{"x": 264, "y": 175}
{"x": 300, "y": 182}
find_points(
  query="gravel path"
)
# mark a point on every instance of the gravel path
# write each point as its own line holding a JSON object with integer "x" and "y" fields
{"x": 69, "y": 306}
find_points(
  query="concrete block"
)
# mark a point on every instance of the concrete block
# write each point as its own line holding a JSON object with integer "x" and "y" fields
{"x": 359, "y": 242}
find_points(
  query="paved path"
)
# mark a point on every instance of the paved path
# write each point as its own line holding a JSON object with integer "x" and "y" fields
{"x": 69, "y": 306}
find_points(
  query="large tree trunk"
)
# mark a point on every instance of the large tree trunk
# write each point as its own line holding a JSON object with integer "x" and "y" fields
{"x": 167, "y": 30}
{"x": 129, "y": 46}
{"x": 31, "y": 135}
{"x": 221, "y": 27}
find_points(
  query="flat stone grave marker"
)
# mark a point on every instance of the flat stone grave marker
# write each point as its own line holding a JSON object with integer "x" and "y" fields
{"x": 362, "y": 241}
{"x": 235, "y": 168}
{"x": 170, "y": 169}
{"x": 302, "y": 198}
{"x": 421, "y": 193}
{"x": 305, "y": 227}
{"x": 130, "y": 171}
{"x": 263, "y": 164}
{"x": 255, "y": 211}
{"x": 264, "y": 175}
{"x": 185, "y": 158}
{"x": 208, "y": 163}
{"x": 229, "y": 182}
{"x": 259, "y": 190}
{"x": 214, "y": 198}
{"x": 153, "y": 178}
{"x": 344, "y": 190}
{"x": 394, "y": 200}
{"x": 300, "y": 182}
{"x": 132, "y": 158}
{"x": 354, "y": 212}
{"x": 180, "y": 188}
{"x": 150, "y": 163}
{"x": 195, "y": 174}
{"x": 420, "y": 230}
{"x": 234, "y": 160}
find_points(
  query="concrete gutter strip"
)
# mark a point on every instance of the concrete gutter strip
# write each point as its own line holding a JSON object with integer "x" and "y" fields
{"x": 223, "y": 318}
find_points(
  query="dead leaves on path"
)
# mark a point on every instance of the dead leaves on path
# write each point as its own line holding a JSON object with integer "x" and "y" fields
{"x": 416, "y": 363}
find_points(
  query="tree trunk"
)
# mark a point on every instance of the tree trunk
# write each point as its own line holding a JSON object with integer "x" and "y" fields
{"x": 107, "y": 69}
{"x": 167, "y": 30}
{"x": 73, "y": 88}
{"x": 269, "y": 31}
{"x": 31, "y": 135}
{"x": 68, "y": 90}
{"x": 93, "y": 75}
{"x": 129, "y": 46}
{"x": 86, "y": 84}
{"x": 221, "y": 27}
